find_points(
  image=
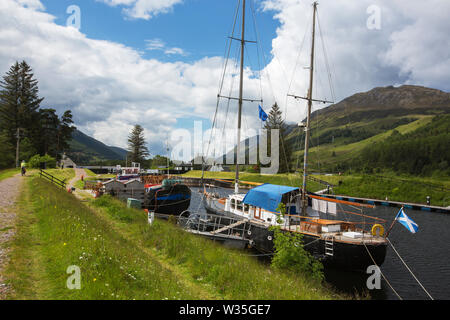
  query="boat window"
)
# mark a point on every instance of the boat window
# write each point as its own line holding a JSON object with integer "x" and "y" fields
{"x": 269, "y": 219}
{"x": 246, "y": 208}
{"x": 239, "y": 205}
{"x": 233, "y": 204}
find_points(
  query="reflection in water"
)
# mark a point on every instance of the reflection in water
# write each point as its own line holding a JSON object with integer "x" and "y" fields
{"x": 427, "y": 253}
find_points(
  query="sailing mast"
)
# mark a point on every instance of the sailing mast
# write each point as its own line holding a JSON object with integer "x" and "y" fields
{"x": 310, "y": 100}
{"x": 241, "y": 87}
{"x": 308, "y": 119}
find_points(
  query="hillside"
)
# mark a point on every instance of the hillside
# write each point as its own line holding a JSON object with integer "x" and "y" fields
{"x": 85, "y": 149}
{"x": 345, "y": 131}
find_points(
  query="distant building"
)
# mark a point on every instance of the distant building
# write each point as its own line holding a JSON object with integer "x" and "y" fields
{"x": 66, "y": 162}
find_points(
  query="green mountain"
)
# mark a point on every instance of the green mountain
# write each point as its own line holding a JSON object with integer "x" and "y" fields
{"x": 85, "y": 150}
{"x": 345, "y": 135}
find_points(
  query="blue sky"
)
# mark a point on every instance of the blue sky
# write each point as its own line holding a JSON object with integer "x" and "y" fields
{"x": 158, "y": 62}
{"x": 199, "y": 27}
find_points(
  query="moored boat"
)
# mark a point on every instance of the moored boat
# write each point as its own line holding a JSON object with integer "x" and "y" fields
{"x": 338, "y": 243}
{"x": 172, "y": 197}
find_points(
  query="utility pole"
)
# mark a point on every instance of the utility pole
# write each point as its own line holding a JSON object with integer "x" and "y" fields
{"x": 17, "y": 147}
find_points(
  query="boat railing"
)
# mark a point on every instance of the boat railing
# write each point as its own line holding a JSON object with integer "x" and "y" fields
{"x": 214, "y": 225}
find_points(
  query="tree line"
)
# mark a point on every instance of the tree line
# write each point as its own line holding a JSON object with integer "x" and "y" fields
{"x": 421, "y": 152}
{"x": 26, "y": 129}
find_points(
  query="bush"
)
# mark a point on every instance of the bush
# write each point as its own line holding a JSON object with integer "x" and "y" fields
{"x": 290, "y": 255}
{"x": 35, "y": 161}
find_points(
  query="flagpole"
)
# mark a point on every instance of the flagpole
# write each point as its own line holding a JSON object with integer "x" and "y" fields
{"x": 392, "y": 225}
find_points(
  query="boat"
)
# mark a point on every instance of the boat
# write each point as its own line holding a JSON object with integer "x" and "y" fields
{"x": 129, "y": 173}
{"x": 172, "y": 197}
{"x": 337, "y": 243}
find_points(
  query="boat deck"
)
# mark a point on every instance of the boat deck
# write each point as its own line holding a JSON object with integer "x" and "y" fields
{"x": 367, "y": 238}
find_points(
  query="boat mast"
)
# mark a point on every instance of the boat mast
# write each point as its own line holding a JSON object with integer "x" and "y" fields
{"x": 308, "y": 119}
{"x": 241, "y": 87}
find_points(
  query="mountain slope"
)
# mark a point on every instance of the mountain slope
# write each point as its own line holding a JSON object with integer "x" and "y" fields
{"x": 341, "y": 132}
{"x": 85, "y": 149}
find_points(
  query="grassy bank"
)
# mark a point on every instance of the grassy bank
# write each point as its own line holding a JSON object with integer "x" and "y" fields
{"x": 122, "y": 257}
{"x": 402, "y": 188}
{"x": 8, "y": 173}
{"x": 280, "y": 179}
{"x": 395, "y": 188}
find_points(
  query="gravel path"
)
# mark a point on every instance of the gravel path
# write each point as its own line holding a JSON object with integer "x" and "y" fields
{"x": 80, "y": 194}
{"x": 9, "y": 191}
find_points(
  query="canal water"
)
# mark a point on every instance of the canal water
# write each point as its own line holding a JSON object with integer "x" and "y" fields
{"x": 427, "y": 253}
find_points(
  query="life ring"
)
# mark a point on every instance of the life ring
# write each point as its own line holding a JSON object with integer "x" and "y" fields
{"x": 377, "y": 227}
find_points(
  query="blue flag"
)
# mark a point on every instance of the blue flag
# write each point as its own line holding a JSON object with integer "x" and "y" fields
{"x": 262, "y": 115}
{"x": 406, "y": 221}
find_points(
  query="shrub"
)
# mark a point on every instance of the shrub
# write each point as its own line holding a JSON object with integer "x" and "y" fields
{"x": 290, "y": 255}
{"x": 36, "y": 160}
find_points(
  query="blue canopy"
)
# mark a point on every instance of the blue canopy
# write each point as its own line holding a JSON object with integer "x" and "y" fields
{"x": 267, "y": 196}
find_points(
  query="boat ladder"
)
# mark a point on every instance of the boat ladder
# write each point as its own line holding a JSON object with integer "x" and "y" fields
{"x": 329, "y": 246}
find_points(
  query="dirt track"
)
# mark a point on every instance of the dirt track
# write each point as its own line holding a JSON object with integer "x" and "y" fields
{"x": 9, "y": 191}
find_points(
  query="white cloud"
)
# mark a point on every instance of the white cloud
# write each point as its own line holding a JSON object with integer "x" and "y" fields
{"x": 158, "y": 44}
{"x": 143, "y": 9}
{"x": 410, "y": 47}
{"x": 111, "y": 87}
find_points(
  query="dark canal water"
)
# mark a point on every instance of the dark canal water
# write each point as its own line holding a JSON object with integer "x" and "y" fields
{"x": 427, "y": 253}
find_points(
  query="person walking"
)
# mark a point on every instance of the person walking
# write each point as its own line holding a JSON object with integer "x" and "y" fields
{"x": 23, "y": 167}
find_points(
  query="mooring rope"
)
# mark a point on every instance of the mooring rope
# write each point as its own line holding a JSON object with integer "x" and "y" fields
{"x": 409, "y": 269}
{"x": 384, "y": 277}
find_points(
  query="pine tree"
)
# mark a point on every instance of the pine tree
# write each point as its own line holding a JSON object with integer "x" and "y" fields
{"x": 9, "y": 103}
{"x": 19, "y": 104}
{"x": 48, "y": 129}
{"x": 137, "y": 148}
{"x": 64, "y": 132}
{"x": 275, "y": 121}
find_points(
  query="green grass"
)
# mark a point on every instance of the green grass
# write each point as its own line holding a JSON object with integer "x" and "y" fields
{"x": 8, "y": 173}
{"x": 279, "y": 179}
{"x": 396, "y": 188}
{"x": 122, "y": 257}
{"x": 230, "y": 274}
{"x": 345, "y": 152}
{"x": 56, "y": 231}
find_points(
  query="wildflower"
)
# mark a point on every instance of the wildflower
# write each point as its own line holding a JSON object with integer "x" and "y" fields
{"x": 94, "y": 279}
{"x": 65, "y": 244}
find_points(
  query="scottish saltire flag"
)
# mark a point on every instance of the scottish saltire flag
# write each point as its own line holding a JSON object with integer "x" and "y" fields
{"x": 262, "y": 115}
{"x": 406, "y": 221}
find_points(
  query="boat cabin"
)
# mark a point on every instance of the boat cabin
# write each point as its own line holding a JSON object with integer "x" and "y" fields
{"x": 261, "y": 203}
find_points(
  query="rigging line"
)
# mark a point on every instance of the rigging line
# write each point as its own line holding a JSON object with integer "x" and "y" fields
{"x": 221, "y": 82}
{"x": 228, "y": 45}
{"x": 228, "y": 106}
{"x": 409, "y": 269}
{"x": 252, "y": 9}
{"x": 307, "y": 29}
{"x": 259, "y": 46}
{"x": 382, "y": 274}
{"x": 330, "y": 79}
{"x": 301, "y": 141}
